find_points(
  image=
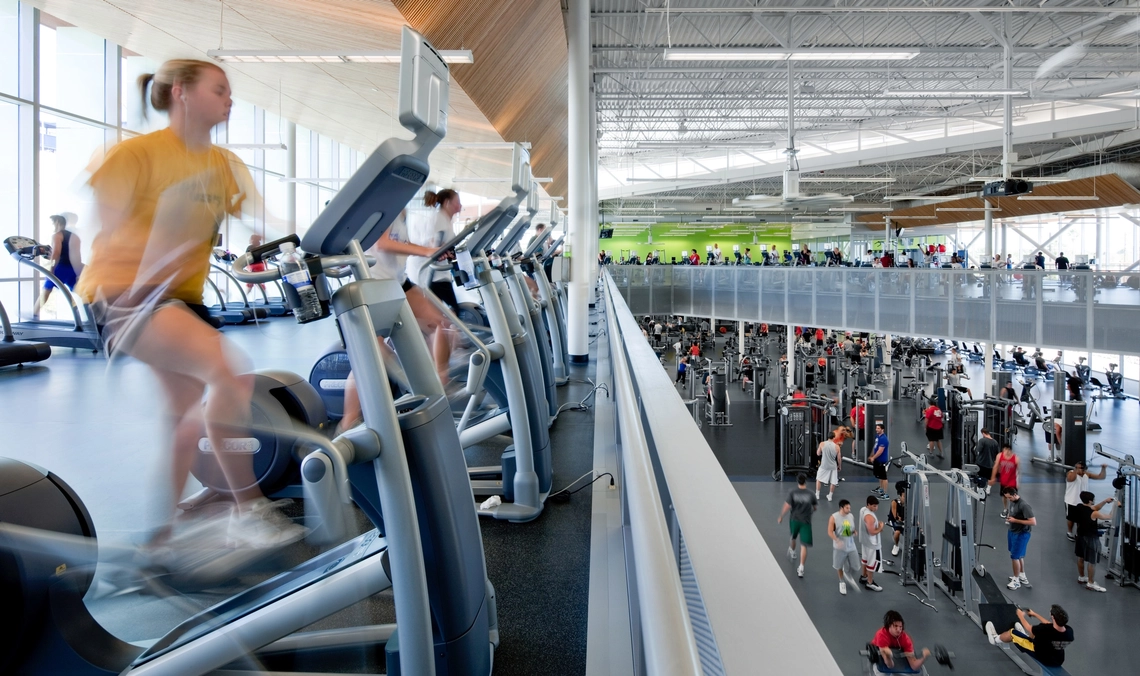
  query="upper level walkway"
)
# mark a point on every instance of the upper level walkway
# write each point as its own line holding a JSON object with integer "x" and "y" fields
{"x": 1074, "y": 310}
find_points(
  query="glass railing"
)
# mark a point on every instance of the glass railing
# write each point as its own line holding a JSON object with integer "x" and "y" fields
{"x": 703, "y": 584}
{"x": 1089, "y": 310}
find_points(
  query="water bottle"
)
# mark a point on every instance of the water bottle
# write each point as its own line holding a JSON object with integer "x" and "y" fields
{"x": 296, "y": 273}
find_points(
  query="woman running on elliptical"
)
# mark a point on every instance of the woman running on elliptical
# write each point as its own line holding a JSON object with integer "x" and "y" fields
{"x": 161, "y": 199}
{"x": 446, "y": 205}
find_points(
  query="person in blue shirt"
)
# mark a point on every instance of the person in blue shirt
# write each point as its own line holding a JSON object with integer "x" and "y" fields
{"x": 880, "y": 456}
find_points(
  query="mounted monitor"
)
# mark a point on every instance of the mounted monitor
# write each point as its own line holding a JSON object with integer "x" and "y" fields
{"x": 384, "y": 184}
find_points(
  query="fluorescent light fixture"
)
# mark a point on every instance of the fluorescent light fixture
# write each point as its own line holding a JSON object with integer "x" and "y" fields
{"x": 911, "y": 218}
{"x": 507, "y": 179}
{"x": 991, "y": 179}
{"x": 953, "y": 93}
{"x": 763, "y": 54}
{"x": 966, "y": 209}
{"x": 1058, "y": 198}
{"x": 252, "y": 146}
{"x": 841, "y": 179}
{"x": 483, "y": 145}
{"x": 312, "y": 180}
{"x": 669, "y": 145}
{"x": 846, "y": 209}
{"x": 326, "y": 56}
{"x": 929, "y": 198}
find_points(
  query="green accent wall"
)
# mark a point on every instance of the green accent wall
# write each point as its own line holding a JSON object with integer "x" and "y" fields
{"x": 673, "y": 246}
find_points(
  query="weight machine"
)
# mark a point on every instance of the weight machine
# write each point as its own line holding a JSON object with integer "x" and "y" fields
{"x": 1123, "y": 560}
{"x": 875, "y": 412}
{"x": 717, "y": 405}
{"x": 958, "y": 573}
{"x": 962, "y": 417}
{"x": 1070, "y": 448}
{"x": 802, "y": 426}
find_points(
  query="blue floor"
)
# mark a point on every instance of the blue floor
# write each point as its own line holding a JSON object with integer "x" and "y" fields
{"x": 99, "y": 426}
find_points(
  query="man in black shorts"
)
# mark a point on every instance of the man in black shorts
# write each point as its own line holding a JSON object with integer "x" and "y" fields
{"x": 1085, "y": 516}
{"x": 985, "y": 454}
{"x": 1045, "y": 641}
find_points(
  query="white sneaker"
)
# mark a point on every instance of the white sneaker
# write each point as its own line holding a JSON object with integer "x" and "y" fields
{"x": 843, "y": 588}
{"x": 1082, "y": 580}
{"x": 992, "y": 633}
{"x": 800, "y": 571}
{"x": 851, "y": 580}
{"x": 1013, "y": 584}
{"x": 874, "y": 587}
{"x": 817, "y": 495}
{"x": 988, "y": 487}
{"x": 829, "y": 497}
{"x": 1092, "y": 586}
{"x": 1018, "y": 626}
{"x": 895, "y": 550}
{"x": 1025, "y": 582}
{"x": 791, "y": 553}
{"x": 261, "y": 525}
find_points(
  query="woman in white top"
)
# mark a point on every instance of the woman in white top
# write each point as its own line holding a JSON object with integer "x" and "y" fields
{"x": 446, "y": 204}
{"x": 391, "y": 252}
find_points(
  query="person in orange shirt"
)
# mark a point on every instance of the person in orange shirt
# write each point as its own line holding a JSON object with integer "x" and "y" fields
{"x": 161, "y": 199}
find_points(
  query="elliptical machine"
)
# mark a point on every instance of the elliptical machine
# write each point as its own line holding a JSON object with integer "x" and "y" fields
{"x": 404, "y": 465}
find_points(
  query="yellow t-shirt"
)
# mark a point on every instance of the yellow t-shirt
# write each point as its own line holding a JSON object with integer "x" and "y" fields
{"x": 161, "y": 206}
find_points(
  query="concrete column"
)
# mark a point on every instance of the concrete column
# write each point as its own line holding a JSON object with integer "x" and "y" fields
{"x": 1099, "y": 253}
{"x": 290, "y": 172}
{"x": 740, "y": 337}
{"x": 593, "y": 220}
{"x": 791, "y": 382}
{"x": 988, "y": 370}
{"x": 989, "y": 236}
{"x": 579, "y": 230}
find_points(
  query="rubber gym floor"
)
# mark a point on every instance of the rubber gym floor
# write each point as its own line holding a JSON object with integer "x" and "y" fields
{"x": 1104, "y": 624}
{"x": 99, "y": 426}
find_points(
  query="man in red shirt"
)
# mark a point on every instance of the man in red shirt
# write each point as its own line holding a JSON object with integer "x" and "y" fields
{"x": 893, "y": 642}
{"x": 859, "y": 422}
{"x": 819, "y": 337}
{"x": 933, "y": 416}
{"x": 695, "y": 350}
{"x": 799, "y": 394}
{"x": 1006, "y": 472}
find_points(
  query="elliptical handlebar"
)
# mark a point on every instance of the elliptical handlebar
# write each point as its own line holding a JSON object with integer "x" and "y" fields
{"x": 329, "y": 264}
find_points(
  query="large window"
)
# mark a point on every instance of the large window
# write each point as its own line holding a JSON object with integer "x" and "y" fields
{"x": 131, "y": 102}
{"x": 9, "y": 47}
{"x": 72, "y": 69}
{"x": 9, "y": 200}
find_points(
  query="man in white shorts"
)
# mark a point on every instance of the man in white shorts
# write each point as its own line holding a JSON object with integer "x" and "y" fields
{"x": 830, "y": 462}
{"x": 844, "y": 559}
{"x": 869, "y": 541}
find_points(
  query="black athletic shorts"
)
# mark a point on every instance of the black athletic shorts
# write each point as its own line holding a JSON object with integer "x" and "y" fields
{"x": 1088, "y": 549}
{"x": 407, "y": 285}
{"x": 933, "y": 434}
{"x": 446, "y": 292}
{"x": 120, "y": 321}
{"x": 879, "y": 470}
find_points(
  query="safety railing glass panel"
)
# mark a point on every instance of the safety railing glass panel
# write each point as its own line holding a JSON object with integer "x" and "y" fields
{"x": 1073, "y": 309}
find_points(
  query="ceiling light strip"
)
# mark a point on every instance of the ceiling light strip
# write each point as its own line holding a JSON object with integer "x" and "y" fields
{"x": 326, "y": 56}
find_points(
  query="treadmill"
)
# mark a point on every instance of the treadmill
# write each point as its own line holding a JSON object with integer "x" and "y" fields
{"x": 19, "y": 352}
{"x": 79, "y": 333}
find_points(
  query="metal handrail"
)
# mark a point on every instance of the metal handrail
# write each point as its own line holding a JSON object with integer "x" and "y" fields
{"x": 667, "y": 633}
{"x": 752, "y": 611}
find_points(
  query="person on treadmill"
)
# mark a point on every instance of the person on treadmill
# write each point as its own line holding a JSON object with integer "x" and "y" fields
{"x": 161, "y": 198}
{"x": 1045, "y": 641}
{"x": 895, "y": 644}
{"x": 66, "y": 259}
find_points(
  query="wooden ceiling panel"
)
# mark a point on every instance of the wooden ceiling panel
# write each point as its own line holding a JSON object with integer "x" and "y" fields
{"x": 1112, "y": 190}
{"x": 520, "y": 73}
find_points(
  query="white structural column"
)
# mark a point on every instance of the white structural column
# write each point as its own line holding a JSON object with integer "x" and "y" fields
{"x": 291, "y": 172}
{"x": 988, "y": 370}
{"x": 791, "y": 380}
{"x": 593, "y": 220}
{"x": 578, "y": 231}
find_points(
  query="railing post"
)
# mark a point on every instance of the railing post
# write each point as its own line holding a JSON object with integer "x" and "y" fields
{"x": 913, "y": 292}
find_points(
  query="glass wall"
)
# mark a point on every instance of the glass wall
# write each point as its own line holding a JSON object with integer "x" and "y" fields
{"x": 74, "y": 124}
